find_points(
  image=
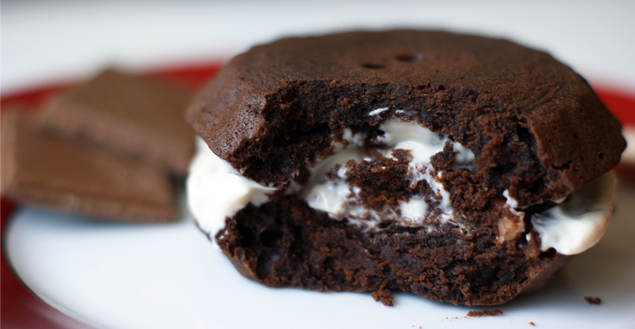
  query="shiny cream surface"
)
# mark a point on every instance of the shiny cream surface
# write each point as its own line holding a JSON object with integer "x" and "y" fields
{"x": 577, "y": 223}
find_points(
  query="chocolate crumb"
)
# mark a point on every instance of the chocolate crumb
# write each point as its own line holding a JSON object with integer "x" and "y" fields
{"x": 532, "y": 324}
{"x": 384, "y": 296}
{"x": 593, "y": 300}
{"x": 483, "y": 313}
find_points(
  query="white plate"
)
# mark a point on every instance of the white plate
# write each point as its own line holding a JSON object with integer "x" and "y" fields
{"x": 171, "y": 276}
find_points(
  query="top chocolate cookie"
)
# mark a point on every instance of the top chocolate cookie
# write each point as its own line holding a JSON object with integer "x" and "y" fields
{"x": 536, "y": 127}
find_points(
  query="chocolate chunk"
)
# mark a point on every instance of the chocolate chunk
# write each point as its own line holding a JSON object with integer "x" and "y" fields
{"x": 383, "y": 295}
{"x": 47, "y": 171}
{"x": 136, "y": 116}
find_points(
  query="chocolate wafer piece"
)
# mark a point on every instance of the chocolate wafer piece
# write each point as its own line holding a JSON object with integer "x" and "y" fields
{"x": 51, "y": 172}
{"x": 137, "y": 116}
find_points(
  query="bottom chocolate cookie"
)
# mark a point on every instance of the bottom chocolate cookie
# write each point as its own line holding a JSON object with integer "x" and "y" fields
{"x": 287, "y": 244}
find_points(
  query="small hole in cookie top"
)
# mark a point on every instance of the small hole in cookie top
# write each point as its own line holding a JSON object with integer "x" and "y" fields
{"x": 410, "y": 58}
{"x": 375, "y": 66}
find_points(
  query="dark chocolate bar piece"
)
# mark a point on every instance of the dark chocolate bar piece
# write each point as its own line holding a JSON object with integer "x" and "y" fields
{"x": 51, "y": 172}
{"x": 136, "y": 116}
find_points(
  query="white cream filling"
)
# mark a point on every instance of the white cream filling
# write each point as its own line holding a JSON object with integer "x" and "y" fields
{"x": 377, "y": 111}
{"x": 215, "y": 190}
{"x": 413, "y": 208}
{"x": 579, "y": 222}
{"x": 332, "y": 197}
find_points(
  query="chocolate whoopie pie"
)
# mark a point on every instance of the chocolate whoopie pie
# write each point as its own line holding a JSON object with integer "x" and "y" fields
{"x": 461, "y": 168}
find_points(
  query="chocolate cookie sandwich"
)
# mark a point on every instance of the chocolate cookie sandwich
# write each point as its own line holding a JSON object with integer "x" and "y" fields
{"x": 460, "y": 168}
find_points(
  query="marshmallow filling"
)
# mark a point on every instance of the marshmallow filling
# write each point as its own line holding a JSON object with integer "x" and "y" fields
{"x": 392, "y": 178}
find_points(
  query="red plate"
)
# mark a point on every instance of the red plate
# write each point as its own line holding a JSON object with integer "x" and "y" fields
{"x": 22, "y": 309}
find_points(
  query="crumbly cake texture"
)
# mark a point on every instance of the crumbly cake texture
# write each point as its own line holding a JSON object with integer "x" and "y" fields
{"x": 285, "y": 243}
{"x": 132, "y": 115}
{"x": 536, "y": 129}
{"x": 47, "y": 171}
